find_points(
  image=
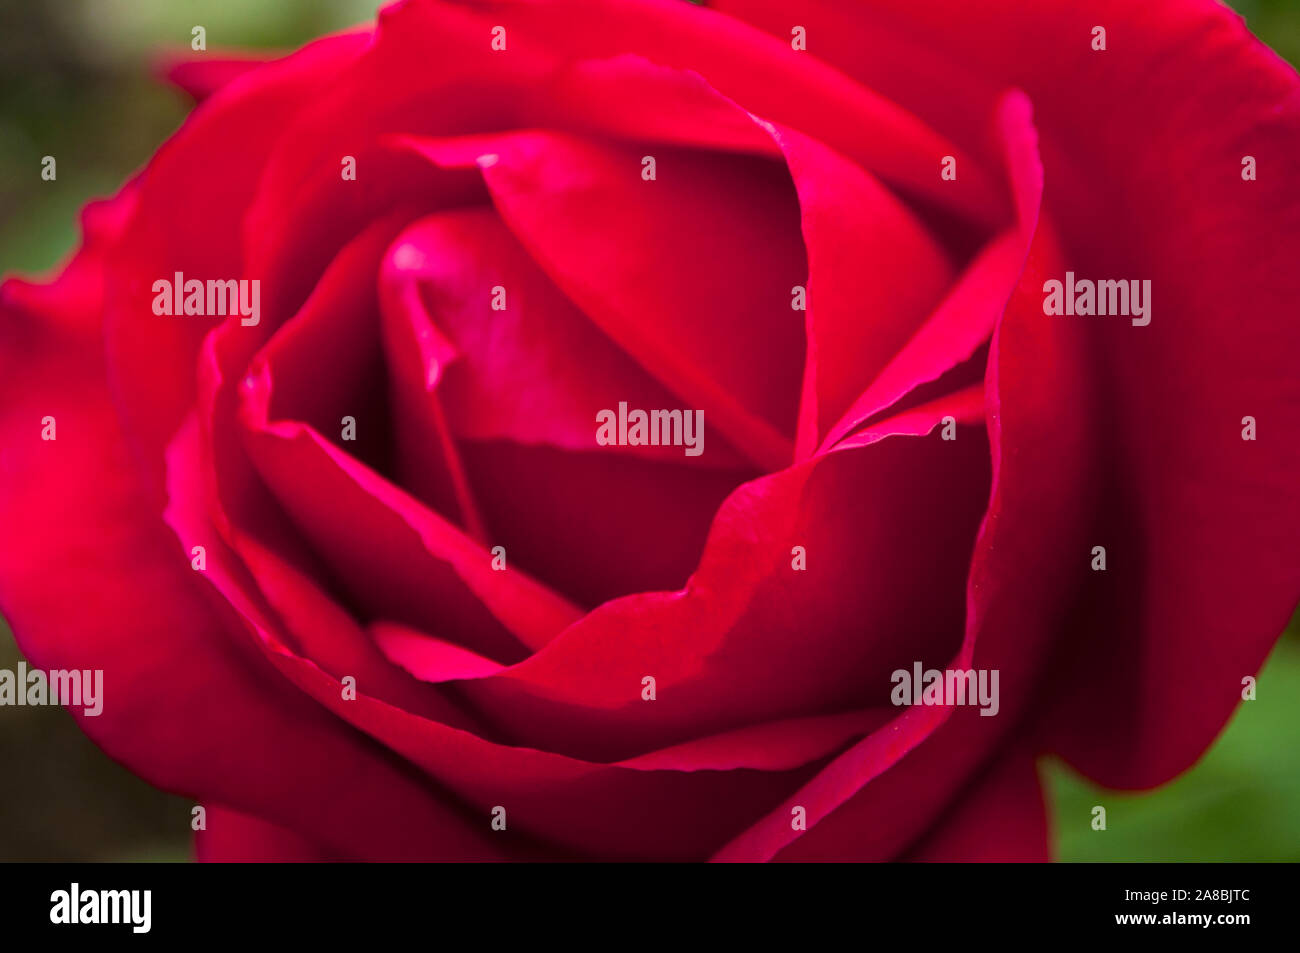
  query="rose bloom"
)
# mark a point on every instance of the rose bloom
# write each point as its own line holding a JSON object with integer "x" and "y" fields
{"x": 829, "y": 230}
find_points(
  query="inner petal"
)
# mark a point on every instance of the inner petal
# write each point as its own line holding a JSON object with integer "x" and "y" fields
{"x": 521, "y": 386}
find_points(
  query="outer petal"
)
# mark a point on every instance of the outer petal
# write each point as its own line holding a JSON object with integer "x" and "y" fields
{"x": 188, "y": 218}
{"x": 203, "y": 76}
{"x": 231, "y": 837}
{"x": 763, "y": 74}
{"x": 1202, "y": 528}
{"x": 90, "y": 578}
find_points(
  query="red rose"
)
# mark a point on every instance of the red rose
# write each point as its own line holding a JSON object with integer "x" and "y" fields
{"x": 434, "y": 599}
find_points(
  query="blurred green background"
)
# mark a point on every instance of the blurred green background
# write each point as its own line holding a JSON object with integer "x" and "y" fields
{"x": 75, "y": 84}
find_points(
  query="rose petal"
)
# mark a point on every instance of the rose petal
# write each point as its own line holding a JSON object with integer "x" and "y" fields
{"x": 185, "y": 706}
{"x": 390, "y": 548}
{"x": 200, "y": 77}
{"x": 1134, "y": 440}
{"x": 572, "y": 805}
{"x": 720, "y": 649}
{"x": 598, "y": 525}
{"x": 234, "y": 838}
{"x": 1000, "y": 818}
{"x": 179, "y": 226}
{"x": 873, "y": 273}
{"x": 762, "y": 74}
{"x": 703, "y": 247}
{"x": 966, "y": 316}
{"x": 535, "y": 372}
